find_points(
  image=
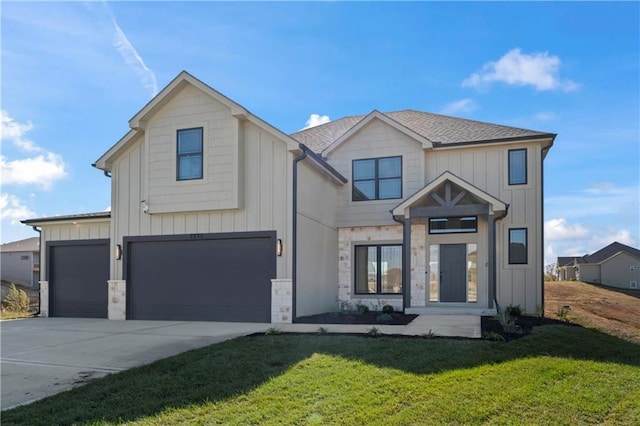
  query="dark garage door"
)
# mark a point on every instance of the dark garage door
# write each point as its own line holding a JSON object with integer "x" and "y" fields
{"x": 78, "y": 274}
{"x": 201, "y": 277}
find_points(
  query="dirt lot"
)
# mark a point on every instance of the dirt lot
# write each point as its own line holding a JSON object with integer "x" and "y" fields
{"x": 614, "y": 312}
{"x": 33, "y": 293}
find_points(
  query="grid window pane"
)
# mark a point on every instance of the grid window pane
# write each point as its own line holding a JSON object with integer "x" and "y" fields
{"x": 389, "y": 167}
{"x": 517, "y": 246}
{"x": 391, "y": 269}
{"x": 364, "y": 169}
{"x": 517, "y": 167}
{"x": 366, "y": 269}
{"x": 364, "y": 190}
{"x": 190, "y": 167}
{"x": 390, "y": 188}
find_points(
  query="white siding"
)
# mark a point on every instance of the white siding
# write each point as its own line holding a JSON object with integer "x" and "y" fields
{"x": 80, "y": 230}
{"x": 620, "y": 270}
{"x": 376, "y": 139}
{"x": 267, "y": 184}
{"x": 317, "y": 243}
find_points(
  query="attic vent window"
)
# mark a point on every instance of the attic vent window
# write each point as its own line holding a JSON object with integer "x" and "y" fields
{"x": 189, "y": 158}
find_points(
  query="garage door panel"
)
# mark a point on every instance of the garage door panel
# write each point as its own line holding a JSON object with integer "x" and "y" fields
{"x": 215, "y": 279}
{"x": 78, "y": 274}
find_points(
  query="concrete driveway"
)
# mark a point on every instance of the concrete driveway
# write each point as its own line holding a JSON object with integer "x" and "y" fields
{"x": 40, "y": 357}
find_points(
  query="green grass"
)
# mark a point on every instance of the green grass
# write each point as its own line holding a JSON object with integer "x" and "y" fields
{"x": 557, "y": 375}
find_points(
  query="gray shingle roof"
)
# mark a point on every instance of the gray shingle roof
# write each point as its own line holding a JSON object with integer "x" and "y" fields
{"x": 29, "y": 244}
{"x": 440, "y": 129}
{"x": 609, "y": 251}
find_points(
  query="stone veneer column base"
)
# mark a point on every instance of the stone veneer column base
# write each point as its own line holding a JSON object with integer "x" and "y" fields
{"x": 281, "y": 301}
{"x": 44, "y": 298}
{"x": 117, "y": 304}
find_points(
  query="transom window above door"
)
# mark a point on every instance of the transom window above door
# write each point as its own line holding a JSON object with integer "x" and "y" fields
{"x": 377, "y": 179}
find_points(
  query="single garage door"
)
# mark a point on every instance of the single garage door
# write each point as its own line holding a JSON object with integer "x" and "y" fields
{"x": 201, "y": 277}
{"x": 78, "y": 272}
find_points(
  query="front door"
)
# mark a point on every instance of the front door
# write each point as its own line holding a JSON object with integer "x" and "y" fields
{"x": 453, "y": 273}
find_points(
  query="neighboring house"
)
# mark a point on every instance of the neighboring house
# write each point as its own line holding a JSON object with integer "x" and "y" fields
{"x": 616, "y": 265}
{"x": 20, "y": 262}
{"x": 218, "y": 215}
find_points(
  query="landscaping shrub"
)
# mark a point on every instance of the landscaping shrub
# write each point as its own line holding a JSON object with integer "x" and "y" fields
{"x": 16, "y": 300}
{"x": 513, "y": 311}
{"x": 387, "y": 309}
{"x": 384, "y": 318}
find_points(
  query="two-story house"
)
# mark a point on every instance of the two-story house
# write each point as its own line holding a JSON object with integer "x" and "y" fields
{"x": 218, "y": 215}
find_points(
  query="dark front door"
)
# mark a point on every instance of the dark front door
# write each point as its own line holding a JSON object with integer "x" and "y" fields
{"x": 78, "y": 274}
{"x": 453, "y": 273}
{"x": 215, "y": 277}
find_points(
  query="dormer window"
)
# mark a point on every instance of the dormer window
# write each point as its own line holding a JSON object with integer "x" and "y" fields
{"x": 377, "y": 179}
{"x": 189, "y": 158}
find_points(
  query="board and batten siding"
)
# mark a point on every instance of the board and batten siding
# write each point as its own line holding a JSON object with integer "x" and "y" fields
{"x": 619, "y": 270}
{"x": 486, "y": 167}
{"x": 376, "y": 139}
{"x": 266, "y": 188}
{"x": 222, "y": 155}
{"x": 80, "y": 230}
{"x": 317, "y": 242}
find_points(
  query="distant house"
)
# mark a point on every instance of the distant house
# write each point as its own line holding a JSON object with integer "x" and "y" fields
{"x": 616, "y": 265}
{"x": 20, "y": 262}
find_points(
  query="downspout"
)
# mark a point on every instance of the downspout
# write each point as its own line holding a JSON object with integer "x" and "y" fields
{"x": 294, "y": 231}
{"x": 543, "y": 154}
{"x": 406, "y": 266}
{"x": 39, "y": 231}
{"x": 494, "y": 272}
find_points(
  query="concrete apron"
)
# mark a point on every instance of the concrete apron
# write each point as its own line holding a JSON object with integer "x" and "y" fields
{"x": 40, "y": 357}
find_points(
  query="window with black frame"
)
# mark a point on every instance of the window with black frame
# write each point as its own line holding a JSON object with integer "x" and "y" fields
{"x": 377, "y": 179}
{"x": 378, "y": 269}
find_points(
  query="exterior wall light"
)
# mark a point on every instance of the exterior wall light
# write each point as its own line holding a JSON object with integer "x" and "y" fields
{"x": 118, "y": 252}
{"x": 278, "y": 247}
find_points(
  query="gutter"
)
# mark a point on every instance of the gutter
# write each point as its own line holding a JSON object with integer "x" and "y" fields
{"x": 106, "y": 173}
{"x": 294, "y": 231}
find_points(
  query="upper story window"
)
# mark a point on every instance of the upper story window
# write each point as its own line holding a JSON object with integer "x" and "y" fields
{"x": 377, "y": 179}
{"x": 517, "y": 167}
{"x": 189, "y": 158}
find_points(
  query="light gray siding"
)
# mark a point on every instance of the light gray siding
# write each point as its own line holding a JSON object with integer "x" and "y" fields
{"x": 17, "y": 267}
{"x": 317, "y": 243}
{"x": 266, "y": 191}
{"x": 220, "y": 186}
{"x": 620, "y": 270}
{"x": 376, "y": 139}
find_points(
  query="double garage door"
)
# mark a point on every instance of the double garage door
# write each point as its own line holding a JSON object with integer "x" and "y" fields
{"x": 198, "y": 277}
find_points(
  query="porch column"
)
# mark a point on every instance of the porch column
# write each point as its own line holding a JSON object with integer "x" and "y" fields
{"x": 492, "y": 258}
{"x": 406, "y": 263}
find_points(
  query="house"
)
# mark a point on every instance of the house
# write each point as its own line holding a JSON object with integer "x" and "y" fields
{"x": 20, "y": 262}
{"x": 616, "y": 265}
{"x": 218, "y": 215}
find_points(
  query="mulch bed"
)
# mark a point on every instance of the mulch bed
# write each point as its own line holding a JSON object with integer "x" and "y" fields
{"x": 526, "y": 324}
{"x": 397, "y": 318}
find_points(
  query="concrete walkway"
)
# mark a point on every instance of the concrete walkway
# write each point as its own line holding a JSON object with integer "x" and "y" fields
{"x": 40, "y": 357}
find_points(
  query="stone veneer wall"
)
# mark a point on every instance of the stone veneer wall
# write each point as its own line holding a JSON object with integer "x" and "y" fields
{"x": 44, "y": 298}
{"x": 348, "y": 237}
{"x": 117, "y": 303}
{"x": 281, "y": 301}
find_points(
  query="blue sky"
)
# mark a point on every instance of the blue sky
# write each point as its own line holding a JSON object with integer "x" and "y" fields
{"x": 74, "y": 73}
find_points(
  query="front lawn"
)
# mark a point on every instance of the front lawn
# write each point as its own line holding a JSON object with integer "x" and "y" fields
{"x": 556, "y": 375}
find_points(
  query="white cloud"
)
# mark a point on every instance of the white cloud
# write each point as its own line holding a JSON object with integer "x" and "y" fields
{"x": 462, "y": 106}
{"x": 42, "y": 170}
{"x": 622, "y": 236}
{"x": 316, "y": 120}
{"x": 545, "y": 116}
{"x": 559, "y": 229}
{"x": 12, "y": 208}
{"x": 520, "y": 69}
{"x": 15, "y": 133}
{"x": 123, "y": 45}
{"x": 108, "y": 209}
